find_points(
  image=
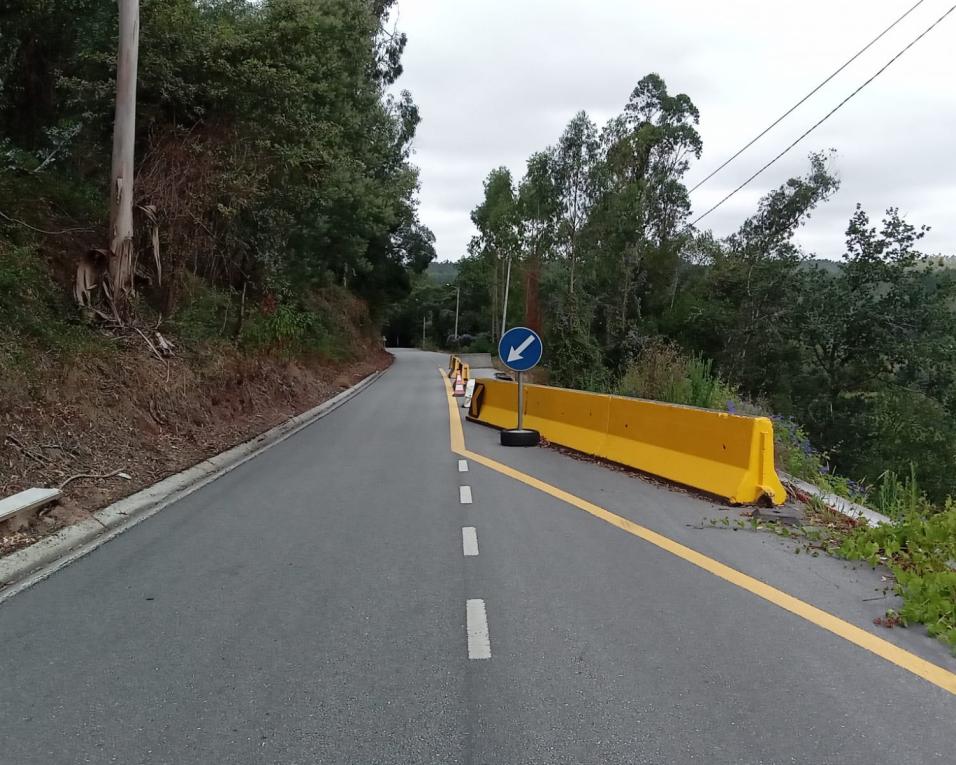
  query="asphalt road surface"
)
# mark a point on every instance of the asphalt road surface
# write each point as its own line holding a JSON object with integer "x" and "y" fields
{"x": 359, "y": 594}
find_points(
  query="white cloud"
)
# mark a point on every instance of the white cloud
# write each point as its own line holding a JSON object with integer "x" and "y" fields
{"x": 497, "y": 80}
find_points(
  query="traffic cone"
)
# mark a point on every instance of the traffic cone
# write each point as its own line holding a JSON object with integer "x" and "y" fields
{"x": 459, "y": 386}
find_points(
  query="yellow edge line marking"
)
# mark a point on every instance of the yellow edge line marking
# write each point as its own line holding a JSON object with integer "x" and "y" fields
{"x": 933, "y": 673}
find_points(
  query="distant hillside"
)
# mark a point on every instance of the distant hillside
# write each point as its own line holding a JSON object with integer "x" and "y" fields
{"x": 831, "y": 266}
{"x": 443, "y": 272}
{"x": 946, "y": 261}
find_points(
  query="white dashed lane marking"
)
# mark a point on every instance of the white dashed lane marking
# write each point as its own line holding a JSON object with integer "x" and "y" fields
{"x": 479, "y": 642}
{"x": 462, "y": 466}
{"x": 469, "y": 540}
{"x": 464, "y": 493}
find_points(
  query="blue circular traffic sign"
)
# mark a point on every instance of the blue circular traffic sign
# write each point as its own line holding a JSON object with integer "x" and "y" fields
{"x": 520, "y": 349}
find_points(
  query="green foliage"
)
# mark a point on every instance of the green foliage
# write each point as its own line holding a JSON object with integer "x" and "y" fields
{"x": 574, "y": 357}
{"x": 797, "y": 456}
{"x": 898, "y": 498}
{"x": 662, "y": 372}
{"x": 482, "y": 344}
{"x": 428, "y": 301}
{"x": 291, "y": 330}
{"x": 32, "y": 310}
{"x": 287, "y": 330}
{"x": 704, "y": 388}
{"x": 920, "y": 550}
{"x": 204, "y": 312}
{"x": 878, "y": 355}
{"x": 795, "y": 453}
{"x": 269, "y": 140}
{"x": 443, "y": 272}
{"x": 862, "y": 353}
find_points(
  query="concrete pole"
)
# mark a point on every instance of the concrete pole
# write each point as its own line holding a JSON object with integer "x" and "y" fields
{"x": 457, "y": 303}
{"x": 121, "y": 177}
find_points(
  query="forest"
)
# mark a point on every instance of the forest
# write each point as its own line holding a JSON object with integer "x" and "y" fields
{"x": 853, "y": 353}
{"x": 275, "y": 220}
{"x": 272, "y": 166}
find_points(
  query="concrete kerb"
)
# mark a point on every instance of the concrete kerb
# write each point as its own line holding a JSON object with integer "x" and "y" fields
{"x": 840, "y": 505}
{"x": 22, "y": 569}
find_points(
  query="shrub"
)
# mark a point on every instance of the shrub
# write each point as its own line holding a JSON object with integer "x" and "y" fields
{"x": 203, "y": 311}
{"x": 899, "y": 498}
{"x": 328, "y": 323}
{"x": 32, "y": 308}
{"x": 482, "y": 344}
{"x": 662, "y": 372}
{"x": 920, "y": 549}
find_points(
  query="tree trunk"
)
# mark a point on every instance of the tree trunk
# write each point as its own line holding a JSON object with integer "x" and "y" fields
{"x": 573, "y": 257}
{"x": 121, "y": 184}
{"x": 532, "y": 308}
{"x": 494, "y": 303}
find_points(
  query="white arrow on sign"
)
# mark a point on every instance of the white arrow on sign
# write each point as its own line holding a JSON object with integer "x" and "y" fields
{"x": 515, "y": 353}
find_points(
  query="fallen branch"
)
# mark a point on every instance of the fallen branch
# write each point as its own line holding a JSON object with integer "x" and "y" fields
{"x": 40, "y": 230}
{"x": 36, "y": 457}
{"x": 150, "y": 344}
{"x": 60, "y": 448}
{"x": 164, "y": 345}
{"x": 89, "y": 475}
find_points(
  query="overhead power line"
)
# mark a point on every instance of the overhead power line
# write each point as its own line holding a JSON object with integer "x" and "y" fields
{"x": 793, "y": 108}
{"x": 827, "y": 115}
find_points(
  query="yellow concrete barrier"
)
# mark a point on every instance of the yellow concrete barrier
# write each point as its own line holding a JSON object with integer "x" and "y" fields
{"x": 723, "y": 454}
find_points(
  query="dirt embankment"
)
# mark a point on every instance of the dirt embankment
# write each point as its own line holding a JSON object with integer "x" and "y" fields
{"x": 127, "y": 411}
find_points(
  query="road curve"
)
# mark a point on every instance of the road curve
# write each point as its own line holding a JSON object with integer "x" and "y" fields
{"x": 360, "y": 594}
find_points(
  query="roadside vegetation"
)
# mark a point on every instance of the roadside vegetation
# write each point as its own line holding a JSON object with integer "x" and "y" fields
{"x": 275, "y": 223}
{"x": 273, "y": 184}
{"x": 851, "y": 352}
{"x": 272, "y": 158}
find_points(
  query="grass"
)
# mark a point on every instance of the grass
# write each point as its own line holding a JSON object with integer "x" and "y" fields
{"x": 34, "y": 314}
{"x": 205, "y": 313}
{"x": 919, "y": 548}
{"x": 898, "y": 498}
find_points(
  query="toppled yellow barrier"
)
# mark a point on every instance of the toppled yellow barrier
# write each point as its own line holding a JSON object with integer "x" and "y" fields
{"x": 723, "y": 454}
{"x": 456, "y": 365}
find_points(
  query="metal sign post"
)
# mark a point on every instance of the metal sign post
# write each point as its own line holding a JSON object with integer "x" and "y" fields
{"x": 520, "y": 349}
{"x": 520, "y": 402}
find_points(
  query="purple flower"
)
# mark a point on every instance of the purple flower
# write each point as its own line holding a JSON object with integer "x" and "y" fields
{"x": 731, "y": 408}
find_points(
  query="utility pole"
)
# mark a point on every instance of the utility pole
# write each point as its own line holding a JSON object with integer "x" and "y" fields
{"x": 121, "y": 176}
{"x": 457, "y": 303}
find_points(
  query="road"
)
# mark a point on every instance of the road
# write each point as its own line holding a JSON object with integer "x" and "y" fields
{"x": 317, "y": 605}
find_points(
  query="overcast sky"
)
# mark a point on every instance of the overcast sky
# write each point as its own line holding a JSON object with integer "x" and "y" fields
{"x": 497, "y": 80}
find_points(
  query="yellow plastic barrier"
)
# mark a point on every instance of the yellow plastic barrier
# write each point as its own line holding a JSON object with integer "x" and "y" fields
{"x": 568, "y": 417}
{"x": 723, "y": 454}
{"x": 454, "y": 366}
{"x": 495, "y": 404}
